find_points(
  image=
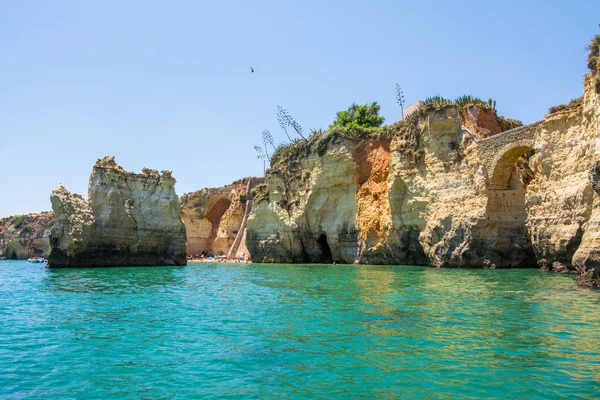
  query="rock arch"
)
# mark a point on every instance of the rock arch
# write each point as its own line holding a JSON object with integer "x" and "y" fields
{"x": 504, "y": 164}
{"x": 505, "y": 209}
{"x": 214, "y": 216}
{"x": 215, "y": 213}
{"x": 501, "y": 151}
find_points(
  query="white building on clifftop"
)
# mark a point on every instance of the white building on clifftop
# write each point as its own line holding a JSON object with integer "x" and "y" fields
{"x": 412, "y": 108}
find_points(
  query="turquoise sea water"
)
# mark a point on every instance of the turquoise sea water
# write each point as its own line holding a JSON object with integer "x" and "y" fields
{"x": 295, "y": 331}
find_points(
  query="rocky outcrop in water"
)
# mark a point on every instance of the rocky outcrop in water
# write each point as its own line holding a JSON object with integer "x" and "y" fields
{"x": 26, "y": 236}
{"x": 128, "y": 220}
{"x": 213, "y": 217}
{"x": 586, "y": 259}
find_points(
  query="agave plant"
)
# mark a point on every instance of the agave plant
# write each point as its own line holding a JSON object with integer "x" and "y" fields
{"x": 263, "y": 151}
{"x": 260, "y": 154}
{"x": 316, "y": 132}
{"x": 400, "y": 98}
{"x": 438, "y": 101}
{"x": 467, "y": 100}
{"x": 285, "y": 119}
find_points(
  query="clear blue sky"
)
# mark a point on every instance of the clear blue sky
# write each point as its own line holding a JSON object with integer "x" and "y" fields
{"x": 167, "y": 85}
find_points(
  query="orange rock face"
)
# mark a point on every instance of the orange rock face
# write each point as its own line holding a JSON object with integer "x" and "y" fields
{"x": 213, "y": 216}
{"x": 373, "y": 217}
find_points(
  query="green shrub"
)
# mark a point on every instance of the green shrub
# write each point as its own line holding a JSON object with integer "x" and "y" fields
{"x": 242, "y": 198}
{"x": 260, "y": 193}
{"x": 322, "y": 143}
{"x": 573, "y": 104}
{"x": 359, "y": 116}
{"x": 361, "y": 122}
{"x": 410, "y": 134}
{"x": 319, "y": 142}
{"x": 594, "y": 53}
{"x": 18, "y": 221}
{"x": 286, "y": 152}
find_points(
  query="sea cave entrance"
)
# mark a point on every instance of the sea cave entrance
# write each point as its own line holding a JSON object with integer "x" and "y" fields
{"x": 325, "y": 254}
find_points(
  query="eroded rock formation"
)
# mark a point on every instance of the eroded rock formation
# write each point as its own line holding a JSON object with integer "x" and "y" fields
{"x": 587, "y": 257}
{"x": 213, "y": 217}
{"x": 560, "y": 199}
{"x": 128, "y": 219}
{"x": 452, "y": 186}
{"x": 25, "y": 236}
{"x": 452, "y": 192}
{"x": 388, "y": 202}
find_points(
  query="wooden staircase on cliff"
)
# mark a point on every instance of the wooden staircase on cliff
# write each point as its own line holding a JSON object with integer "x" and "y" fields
{"x": 231, "y": 254}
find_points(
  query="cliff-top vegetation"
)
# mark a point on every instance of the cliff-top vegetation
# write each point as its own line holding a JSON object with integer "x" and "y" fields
{"x": 593, "y": 63}
{"x": 260, "y": 193}
{"x": 356, "y": 116}
{"x": 594, "y": 54}
{"x": 594, "y": 60}
{"x": 574, "y": 104}
{"x": 361, "y": 122}
{"x": 18, "y": 220}
{"x": 27, "y": 221}
{"x": 356, "y": 123}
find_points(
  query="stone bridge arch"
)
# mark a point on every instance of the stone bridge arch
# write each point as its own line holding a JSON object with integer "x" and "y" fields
{"x": 501, "y": 168}
{"x": 506, "y": 213}
{"x": 500, "y": 153}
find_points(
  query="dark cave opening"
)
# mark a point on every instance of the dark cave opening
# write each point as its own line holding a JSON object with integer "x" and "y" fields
{"x": 325, "y": 256}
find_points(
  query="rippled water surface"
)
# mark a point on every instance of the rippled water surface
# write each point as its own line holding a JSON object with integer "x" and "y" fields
{"x": 301, "y": 331}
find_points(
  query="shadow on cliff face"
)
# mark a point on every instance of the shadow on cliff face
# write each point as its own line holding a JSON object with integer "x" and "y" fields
{"x": 404, "y": 235}
{"x": 507, "y": 215}
{"x": 215, "y": 214}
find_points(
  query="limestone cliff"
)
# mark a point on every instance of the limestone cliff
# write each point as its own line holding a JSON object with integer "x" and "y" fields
{"x": 559, "y": 198}
{"x": 128, "y": 219}
{"x": 586, "y": 260}
{"x": 562, "y": 199}
{"x": 417, "y": 198}
{"x": 26, "y": 236}
{"x": 446, "y": 203}
{"x": 450, "y": 187}
{"x": 213, "y": 216}
{"x": 587, "y": 257}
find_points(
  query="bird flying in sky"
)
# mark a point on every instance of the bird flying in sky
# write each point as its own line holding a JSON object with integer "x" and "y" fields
{"x": 251, "y": 69}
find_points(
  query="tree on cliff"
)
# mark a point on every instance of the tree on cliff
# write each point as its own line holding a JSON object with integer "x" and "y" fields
{"x": 594, "y": 60}
{"x": 594, "y": 53}
{"x": 359, "y": 116}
